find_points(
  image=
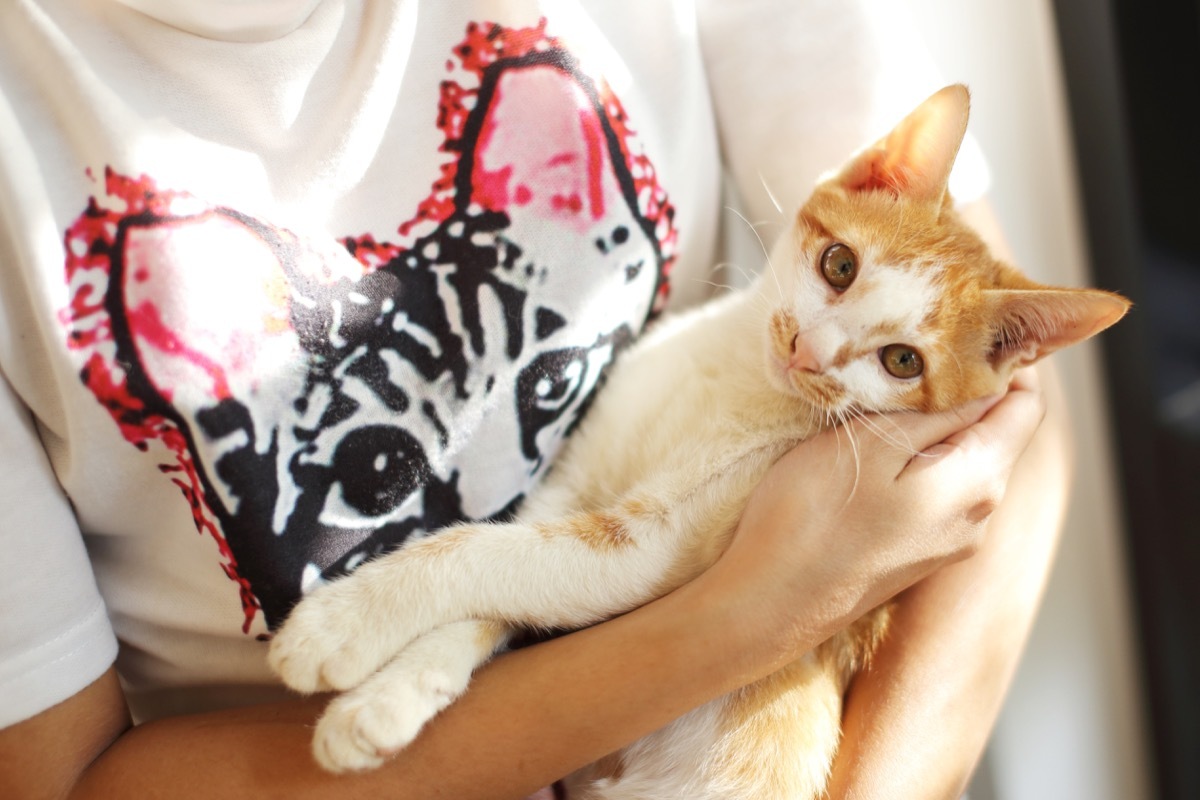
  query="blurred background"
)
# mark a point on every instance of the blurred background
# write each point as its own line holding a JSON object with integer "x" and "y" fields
{"x": 1088, "y": 111}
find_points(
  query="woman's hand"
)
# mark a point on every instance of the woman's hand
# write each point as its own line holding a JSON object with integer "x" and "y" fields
{"x": 854, "y": 516}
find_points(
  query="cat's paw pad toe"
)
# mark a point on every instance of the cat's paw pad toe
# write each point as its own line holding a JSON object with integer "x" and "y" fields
{"x": 327, "y": 644}
{"x": 364, "y": 728}
{"x": 309, "y": 664}
{"x": 356, "y": 735}
{"x": 298, "y": 658}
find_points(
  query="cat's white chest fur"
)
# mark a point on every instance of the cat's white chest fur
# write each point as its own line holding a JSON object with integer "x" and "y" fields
{"x": 689, "y": 405}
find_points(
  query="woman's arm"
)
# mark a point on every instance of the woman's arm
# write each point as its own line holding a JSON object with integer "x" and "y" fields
{"x": 530, "y": 716}
{"x": 916, "y": 723}
{"x": 800, "y": 568}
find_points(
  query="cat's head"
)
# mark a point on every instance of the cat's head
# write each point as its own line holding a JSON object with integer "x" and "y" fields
{"x": 882, "y": 298}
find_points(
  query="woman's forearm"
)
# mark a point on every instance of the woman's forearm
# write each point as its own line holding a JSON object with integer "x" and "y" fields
{"x": 530, "y": 717}
{"x": 917, "y": 722}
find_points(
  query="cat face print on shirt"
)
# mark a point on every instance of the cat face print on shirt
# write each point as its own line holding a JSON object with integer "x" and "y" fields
{"x": 318, "y": 402}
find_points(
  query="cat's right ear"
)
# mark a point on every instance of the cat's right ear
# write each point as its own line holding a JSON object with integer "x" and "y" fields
{"x": 1031, "y": 323}
{"x": 916, "y": 158}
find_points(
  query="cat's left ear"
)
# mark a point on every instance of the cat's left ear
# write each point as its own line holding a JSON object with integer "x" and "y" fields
{"x": 916, "y": 158}
{"x": 1031, "y": 323}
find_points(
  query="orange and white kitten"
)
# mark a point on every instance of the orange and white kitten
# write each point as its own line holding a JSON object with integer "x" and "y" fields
{"x": 880, "y": 298}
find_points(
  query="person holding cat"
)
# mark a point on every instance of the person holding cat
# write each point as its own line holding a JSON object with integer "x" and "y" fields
{"x": 313, "y": 278}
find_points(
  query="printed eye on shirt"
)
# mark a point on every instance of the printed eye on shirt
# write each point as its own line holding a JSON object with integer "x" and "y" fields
{"x": 318, "y": 402}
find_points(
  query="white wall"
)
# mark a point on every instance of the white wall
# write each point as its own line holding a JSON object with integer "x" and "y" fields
{"x": 1072, "y": 726}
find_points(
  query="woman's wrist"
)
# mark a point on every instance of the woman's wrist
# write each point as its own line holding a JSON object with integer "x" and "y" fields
{"x": 744, "y": 625}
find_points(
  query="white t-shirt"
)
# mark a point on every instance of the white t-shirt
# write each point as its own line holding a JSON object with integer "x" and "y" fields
{"x": 286, "y": 282}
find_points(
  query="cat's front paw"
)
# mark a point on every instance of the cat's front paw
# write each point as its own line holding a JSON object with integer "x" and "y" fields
{"x": 364, "y": 727}
{"x": 336, "y": 638}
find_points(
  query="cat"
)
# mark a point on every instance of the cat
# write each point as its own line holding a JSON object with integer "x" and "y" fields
{"x": 880, "y": 298}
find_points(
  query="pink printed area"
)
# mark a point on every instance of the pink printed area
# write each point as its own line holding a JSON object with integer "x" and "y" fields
{"x": 500, "y": 185}
{"x": 150, "y": 327}
{"x": 91, "y": 255}
{"x": 595, "y": 161}
{"x": 541, "y": 151}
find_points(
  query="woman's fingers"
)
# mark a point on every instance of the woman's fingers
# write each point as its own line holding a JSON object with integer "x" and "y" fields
{"x": 886, "y": 443}
{"x": 996, "y": 440}
{"x": 1000, "y": 425}
{"x": 879, "y": 446}
{"x": 970, "y": 469}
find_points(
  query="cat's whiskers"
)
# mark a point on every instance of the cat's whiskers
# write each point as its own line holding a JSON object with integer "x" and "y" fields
{"x": 876, "y": 427}
{"x": 747, "y": 275}
{"x": 957, "y": 363}
{"x": 752, "y": 324}
{"x": 841, "y": 421}
{"x": 765, "y": 308}
{"x": 898, "y": 230}
{"x": 830, "y": 424}
{"x": 770, "y": 194}
{"x": 762, "y": 246}
{"x": 722, "y": 286}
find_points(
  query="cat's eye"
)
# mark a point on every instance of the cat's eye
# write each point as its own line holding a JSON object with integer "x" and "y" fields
{"x": 839, "y": 265}
{"x": 902, "y": 361}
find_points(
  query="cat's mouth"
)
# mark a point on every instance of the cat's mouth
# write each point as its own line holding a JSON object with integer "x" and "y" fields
{"x": 822, "y": 391}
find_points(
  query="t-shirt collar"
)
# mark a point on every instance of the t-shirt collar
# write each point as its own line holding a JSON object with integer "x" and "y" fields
{"x": 229, "y": 20}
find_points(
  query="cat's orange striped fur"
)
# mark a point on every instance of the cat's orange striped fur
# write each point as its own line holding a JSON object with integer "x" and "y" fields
{"x": 879, "y": 299}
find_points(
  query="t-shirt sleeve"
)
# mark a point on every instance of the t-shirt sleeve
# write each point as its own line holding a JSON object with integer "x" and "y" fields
{"x": 55, "y": 637}
{"x": 799, "y": 85}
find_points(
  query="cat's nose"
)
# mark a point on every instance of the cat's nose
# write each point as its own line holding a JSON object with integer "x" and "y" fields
{"x": 804, "y": 355}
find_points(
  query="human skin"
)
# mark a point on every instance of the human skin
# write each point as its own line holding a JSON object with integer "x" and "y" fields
{"x": 798, "y": 569}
